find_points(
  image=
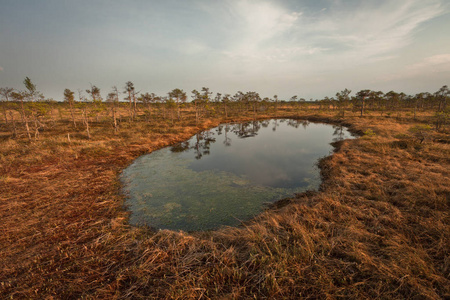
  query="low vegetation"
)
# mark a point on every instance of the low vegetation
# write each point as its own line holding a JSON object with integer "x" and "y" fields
{"x": 379, "y": 226}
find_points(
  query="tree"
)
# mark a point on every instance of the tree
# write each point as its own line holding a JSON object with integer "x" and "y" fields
{"x": 418, "y": 98}
{"x": 6, "y": 94}
{"x": 31, "y": 88}
{"x": 253, "y": 98}
{"x": 218, "y": 98}
{"x": 85, "y": 115}
{"x": 113, "y": 98}
{"x": 361, "y": 96}
{"x": 178, "y": 95}
{"x": 196, "y": 98}
{"x": 171, "y": 106}
{"x": 131, "y": 91}
{"x": 19, "y": 96}
{"x": 442, "y": 96}
{"x": 148, "y": 99}
{"x": 392, "y": 98}
{"x": 225, "y": 101}
{"x": 239, "y": 99}
{"x": 375, "y": 98}
{"x": 96, "y": 99}
{"x": 275, "y": 97}
{"x": 69, "y": 98}
{"x": 343, "y": 98}
{"x": 31, "y": 94}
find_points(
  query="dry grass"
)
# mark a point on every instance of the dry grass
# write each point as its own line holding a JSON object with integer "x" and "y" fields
{"x": 378, "y": 228}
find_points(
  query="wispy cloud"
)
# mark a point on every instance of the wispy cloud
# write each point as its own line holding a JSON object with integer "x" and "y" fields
{"x": 368, "y": 32}
{"x": 265, "y": 45}
{"x": 266, "y": 32}
{"x": 252, "y": 27}
{"x": 429, "y": 65}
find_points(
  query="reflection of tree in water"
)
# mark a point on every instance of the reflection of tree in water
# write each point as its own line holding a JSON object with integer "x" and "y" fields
{"x": 201, "y": 144}
{"x": 293, "y": 123}
{"x": 180, "y": 147}
{"x": 265, "y": 123}
{"x": 305, "y": 124}
{"x": 275, "y": 125}
{"x": 338, "y": 133}
{"x": 297, "y": 123}
{"x": 227, "y": 141}
{"x": 245, "y": 130}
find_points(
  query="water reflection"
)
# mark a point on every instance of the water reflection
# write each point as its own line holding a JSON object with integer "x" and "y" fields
{"x": 203, "y": 140}
{"x": 226, "y": 174}
{"x": 339, "y": 133}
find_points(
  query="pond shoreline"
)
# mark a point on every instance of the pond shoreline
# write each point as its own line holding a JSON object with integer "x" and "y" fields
{"x": 150, "y": 181}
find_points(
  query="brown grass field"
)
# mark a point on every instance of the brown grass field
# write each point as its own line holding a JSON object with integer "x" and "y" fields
{"x": 378, "y": 228}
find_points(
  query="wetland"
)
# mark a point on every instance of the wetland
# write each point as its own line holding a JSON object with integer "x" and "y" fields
{"x": 226, "y": 175}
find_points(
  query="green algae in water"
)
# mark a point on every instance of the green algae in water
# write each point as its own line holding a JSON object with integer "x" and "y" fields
{"x": 225, "y": 175}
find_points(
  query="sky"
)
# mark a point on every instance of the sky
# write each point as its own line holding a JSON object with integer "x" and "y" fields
{"x": 309, "y": 48}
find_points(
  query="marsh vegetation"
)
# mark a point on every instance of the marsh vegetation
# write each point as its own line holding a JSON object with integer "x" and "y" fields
{"x": 378, "y": 227}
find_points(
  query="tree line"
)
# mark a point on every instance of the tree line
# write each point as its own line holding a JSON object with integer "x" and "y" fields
{"x": 30, "y": 109}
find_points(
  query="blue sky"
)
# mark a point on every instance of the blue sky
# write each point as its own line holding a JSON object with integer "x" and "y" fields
{"x": 309, "y": 48}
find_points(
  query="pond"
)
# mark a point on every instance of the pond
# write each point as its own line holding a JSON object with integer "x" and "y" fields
{"x": 227, "y": 174}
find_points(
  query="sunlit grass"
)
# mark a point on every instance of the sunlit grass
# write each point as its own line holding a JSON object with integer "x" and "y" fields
{"x": 378, "y": 227}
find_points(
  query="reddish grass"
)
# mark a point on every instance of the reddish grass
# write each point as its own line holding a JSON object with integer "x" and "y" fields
{"x": 378, "y": 228}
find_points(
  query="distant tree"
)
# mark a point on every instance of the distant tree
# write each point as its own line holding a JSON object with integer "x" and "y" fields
{"x": 69, "y": 98}
{"x": 179, "y": 96}
{"x": 84, "y": 107}
{"x": 226, "y": 100}
{"x": 19, "y": 97}
{"x": 131, "y": 91}
{"x": 275, "y": 97}
{"x": 343, "y": 98}
{"x": 94, "y": 91}
{"x": 253, "y": 98}
{"x": 196, "y": 98}
{"x": 418, "y": 98}
{"x": 8, "y": 107}
{"x": 32, "y": 94}
{"x": 205, "y": 100}
{"x": 113, "y": 98}
{"x": 31, "y": 89}
{"x": 239, "y": 99}
{"x": 171, "y": 106}
{"x": 392, "y": 99}
{"x": 442, "y": 95}
{"x": 5, "y": 92}
{"x": 362, "y": 96}
{"x": 218, "y": 98}
{"x": 148, "y": 99}
{"x": 375, "y": 98}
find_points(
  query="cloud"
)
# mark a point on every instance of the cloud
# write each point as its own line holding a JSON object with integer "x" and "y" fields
{"x": 368, "y": 32}
{"x": 429, "y": 65}
{"x": 192, "y": 47}
{"x": 255, "y": 26}
{"x": 262, "y": 34}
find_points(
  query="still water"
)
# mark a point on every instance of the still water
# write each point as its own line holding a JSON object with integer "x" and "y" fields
{"x": 225, "y": 175}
